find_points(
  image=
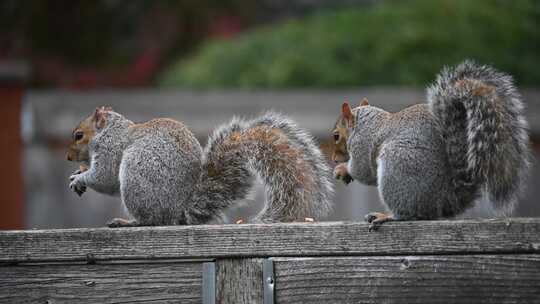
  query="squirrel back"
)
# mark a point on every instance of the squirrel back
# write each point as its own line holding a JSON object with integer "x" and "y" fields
{"x": 482, "y": 121}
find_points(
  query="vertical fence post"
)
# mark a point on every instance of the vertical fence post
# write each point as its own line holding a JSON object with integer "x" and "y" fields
{"x": 239, "y": 281}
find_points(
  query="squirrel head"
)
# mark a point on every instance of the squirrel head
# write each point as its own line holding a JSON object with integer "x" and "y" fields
{"x": 342, "y": 128}
{"x": 84, "y": 133}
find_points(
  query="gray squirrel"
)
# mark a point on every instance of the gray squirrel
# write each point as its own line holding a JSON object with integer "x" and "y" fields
{"x": 434, "y": 160}
{"x": 165, "y": 177}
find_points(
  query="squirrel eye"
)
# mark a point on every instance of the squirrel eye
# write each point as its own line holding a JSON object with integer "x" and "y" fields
{"x": 336, "y": 136}
{"x": 78, "y": 135}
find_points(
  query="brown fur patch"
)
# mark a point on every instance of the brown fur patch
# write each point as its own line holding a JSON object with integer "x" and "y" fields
{"x": 78, "y": 149}
{"x": 99, "y": 117}
{"x": 364, "y": 102}
{"x": 177, "y": 130}
{"x": 482, "y": 89}
{"x": 235, "y": 136}
{"x": 290, "y": 158}
{"x": 461, "y": 83}
{"x": 478, "y": 88}
{"x": 340, "y": 154}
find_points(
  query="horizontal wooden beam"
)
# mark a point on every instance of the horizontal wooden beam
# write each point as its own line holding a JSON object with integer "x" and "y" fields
{"x": 516, "y": 235}
{"x": 409, "y": 279}
{"x": 107, "y": 283}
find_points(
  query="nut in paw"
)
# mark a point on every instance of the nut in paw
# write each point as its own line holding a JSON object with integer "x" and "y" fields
{"x": 341, "y": 173}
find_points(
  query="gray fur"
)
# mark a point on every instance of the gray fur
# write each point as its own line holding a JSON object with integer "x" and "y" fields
{"x": 102, "y": 174}
{"x": 287, "y": 197}
{"x": 164, "y": 177}
{"x": 434, "y": 160}
{"x": 314, "y": 201}
{"x": 492, "y": 138}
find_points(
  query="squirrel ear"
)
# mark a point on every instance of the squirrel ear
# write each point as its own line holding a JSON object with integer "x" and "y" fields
{"x": 346, "y": 110}
{"x": 364, "y": 102}
{"x": 99, "y": 118}
{"x": 347, "y": 113}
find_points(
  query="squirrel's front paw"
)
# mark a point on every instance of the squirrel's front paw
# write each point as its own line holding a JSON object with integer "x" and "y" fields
{"x": 340, "y": 172}
{"x": 76, "y": 183}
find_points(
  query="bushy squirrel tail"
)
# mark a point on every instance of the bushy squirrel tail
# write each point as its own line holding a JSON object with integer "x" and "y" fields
{"x": 295, "y": 174}
{"x": 481, "y": 115}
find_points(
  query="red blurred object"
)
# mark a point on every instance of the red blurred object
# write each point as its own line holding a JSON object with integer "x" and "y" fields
{"x": 11, "y": 152}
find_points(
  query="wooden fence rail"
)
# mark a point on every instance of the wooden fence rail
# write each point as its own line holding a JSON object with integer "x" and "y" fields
{"x": 465, "y": 261}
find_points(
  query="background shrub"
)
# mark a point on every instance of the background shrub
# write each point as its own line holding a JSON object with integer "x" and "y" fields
{"x": 390, "y": 43}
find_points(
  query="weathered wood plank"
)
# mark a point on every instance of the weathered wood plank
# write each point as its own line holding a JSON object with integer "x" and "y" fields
{"x": 409, "y": 279}
{"x": 262, "y": 240}
{"x": 239, "y": 281}
{"x": 112, "y": 283}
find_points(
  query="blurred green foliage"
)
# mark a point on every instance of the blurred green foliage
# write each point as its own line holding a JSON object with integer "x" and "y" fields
{"x": 390, "y": 43}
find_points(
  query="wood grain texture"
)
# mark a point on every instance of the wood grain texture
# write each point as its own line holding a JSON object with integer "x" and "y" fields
{"x": 409, "y": 279}
{"x": 239, "y": 281}
{"x": 266, "y": 240}
{"x": 113, "y": 283}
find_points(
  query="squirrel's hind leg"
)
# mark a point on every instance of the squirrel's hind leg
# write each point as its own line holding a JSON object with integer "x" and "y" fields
{"x": 376, "y": 219}
{"x": 120, "y": 222}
